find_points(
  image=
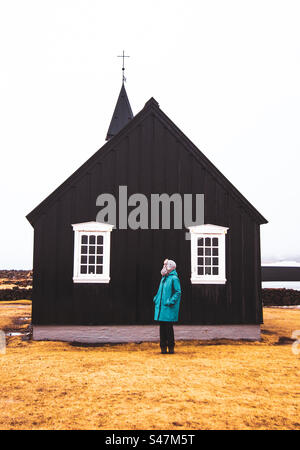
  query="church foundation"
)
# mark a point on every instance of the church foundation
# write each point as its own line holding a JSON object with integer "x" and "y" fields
{"x": 142, "y": 333}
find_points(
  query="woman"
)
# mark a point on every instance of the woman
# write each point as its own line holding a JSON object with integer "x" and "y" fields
{"x": 167, "y": 302}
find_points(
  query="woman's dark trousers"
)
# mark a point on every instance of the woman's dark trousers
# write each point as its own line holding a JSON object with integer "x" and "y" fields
{"x": 166, "y": 334}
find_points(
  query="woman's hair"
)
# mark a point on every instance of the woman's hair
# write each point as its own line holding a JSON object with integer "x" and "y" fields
{"x": 171, "y": 265}
{"x": 168, "y": 266}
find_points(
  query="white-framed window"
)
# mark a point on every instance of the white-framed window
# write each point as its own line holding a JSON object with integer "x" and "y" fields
{"x": 91, "y": 252}
{"x": 208, "y": 254}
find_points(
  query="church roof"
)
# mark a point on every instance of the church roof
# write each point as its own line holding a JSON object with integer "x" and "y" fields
{"x": 122, "y": 114}
{"x": 151, "y": 108}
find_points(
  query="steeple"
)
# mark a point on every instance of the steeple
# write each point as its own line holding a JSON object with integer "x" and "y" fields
{"x": 122, "y": 114}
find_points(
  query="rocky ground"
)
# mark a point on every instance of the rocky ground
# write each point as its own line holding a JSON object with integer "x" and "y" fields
{"x": 15, "y": 284}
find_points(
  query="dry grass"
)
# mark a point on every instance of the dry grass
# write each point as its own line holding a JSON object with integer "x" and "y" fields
{"x": 12, "y": 313}
{"x": 51, "y": 385}
{"x": 6, "y": 283}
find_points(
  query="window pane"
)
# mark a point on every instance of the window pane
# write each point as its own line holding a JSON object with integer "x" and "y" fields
{"x": 200, "y": 261}
{"x": 215, "y": 270}
{"x": 200, "y": 241}
{"x": 83, "y": 269}
{"x": 200, "y": 251}
{"x": 208, "y": 241}
{"x": 99, "y": 249}
{"x": 215, "y": 261}
{"x": 215, "y": 251}
{"x": 207, "y": 270}
{"x": 200, "y": 270}
{"x": 207, "y": 261}
{"x": 84, "y": 249}
{"x": 99, "y": 260}
{"x": 208, "y": 251}
{"x": 91, "y": 256}
{"x": 215, "y": 241}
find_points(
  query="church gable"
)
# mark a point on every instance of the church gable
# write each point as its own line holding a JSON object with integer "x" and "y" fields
{"x": 149, "y": 155}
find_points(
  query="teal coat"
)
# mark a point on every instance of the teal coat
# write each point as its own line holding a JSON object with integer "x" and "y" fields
{"x": 167, "y": 299}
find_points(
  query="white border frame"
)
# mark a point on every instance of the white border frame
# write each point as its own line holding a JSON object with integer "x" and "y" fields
{"x": 204, "y": 231}
{"x": 99, "y": 229}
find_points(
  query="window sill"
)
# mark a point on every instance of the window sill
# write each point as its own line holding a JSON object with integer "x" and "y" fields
{"x": 207, "y": 281}
{"x": 91, "y": 280}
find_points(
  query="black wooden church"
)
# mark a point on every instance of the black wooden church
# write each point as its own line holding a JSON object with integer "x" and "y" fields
{"x": 94, "y": 280}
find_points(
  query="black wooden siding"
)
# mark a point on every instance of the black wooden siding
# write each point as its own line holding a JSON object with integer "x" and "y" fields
{"x": 280, "y": 273}
{"x": 150, "y": 158}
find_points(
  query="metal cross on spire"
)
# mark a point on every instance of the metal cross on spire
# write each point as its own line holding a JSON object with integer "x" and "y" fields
{"x": 123, "y": 66}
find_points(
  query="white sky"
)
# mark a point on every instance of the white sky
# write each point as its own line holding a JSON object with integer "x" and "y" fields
{"x": 226, "y": 72}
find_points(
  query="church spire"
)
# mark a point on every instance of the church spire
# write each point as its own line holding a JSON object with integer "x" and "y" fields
{"x": 123, "y": 112}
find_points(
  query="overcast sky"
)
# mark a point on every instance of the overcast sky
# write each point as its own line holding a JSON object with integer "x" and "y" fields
{"x": 226, "y": 72}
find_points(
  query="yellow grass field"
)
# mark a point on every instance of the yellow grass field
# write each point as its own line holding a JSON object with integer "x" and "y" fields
{"x": 204, "y": 385}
